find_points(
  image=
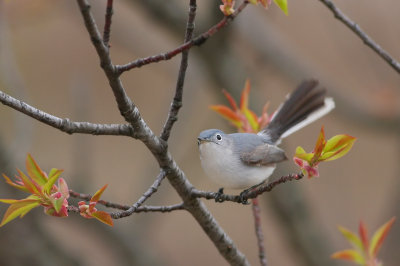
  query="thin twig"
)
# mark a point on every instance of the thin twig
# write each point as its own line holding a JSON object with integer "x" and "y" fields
{"x": 64, "y": 124}
{"x": 168, "y": 208}
{"x": 260, "y": 237}
{"x": 246, "y": 195}
{"x": 363, "y": 36}
{"x": 152, "y": 189}
{"x": 107, "y": 24}
{"x": 145, "y": 208}
{"x": 197, "y": 41}
{"x": 177, "y": 102}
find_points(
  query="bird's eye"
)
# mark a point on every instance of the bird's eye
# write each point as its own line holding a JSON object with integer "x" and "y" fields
{"x": 219, "y": 137}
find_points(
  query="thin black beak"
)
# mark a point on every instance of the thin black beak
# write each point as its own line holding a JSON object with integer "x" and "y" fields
{"x": 201, "y": 140}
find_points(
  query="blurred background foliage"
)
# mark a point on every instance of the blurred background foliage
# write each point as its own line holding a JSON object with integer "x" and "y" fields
{"x": 47, "y": 60}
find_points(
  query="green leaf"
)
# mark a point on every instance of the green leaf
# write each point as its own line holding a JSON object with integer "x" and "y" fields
{"x": 252, "y": 118}
{"x": 103, "y": 217}
{"x": 351, "y": 237}
{"x": 337, "y": 147}
{"x": 53, "y": 176}
{"x": 282, "y": 4}
{"x": 301, "y": 154}
{"x": 379, "y": 236}
{"x": 57, "y": 204}
{"x": 34, "y": 171}
{"x": 19, "y": 208}
{"x": 29, "y": 184}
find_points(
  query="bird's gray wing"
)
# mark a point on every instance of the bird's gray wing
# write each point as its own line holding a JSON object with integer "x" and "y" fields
{"x": 265, "y": 154}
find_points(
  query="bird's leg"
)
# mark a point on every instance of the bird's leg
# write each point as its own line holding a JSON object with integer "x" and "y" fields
{"x": 243, "y": 194}
{"x": 218, "y": 196}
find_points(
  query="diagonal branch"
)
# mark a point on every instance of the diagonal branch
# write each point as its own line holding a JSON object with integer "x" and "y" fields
{"x": 363, "y": 36}
{"x": 107, "y": 24}
{"x": 199, "y": 40}
{"x": 248, "y": 194}
{"x": 64, "y": 124}
{"x": 153, "y": 188}
{"x": 177, "y": 102}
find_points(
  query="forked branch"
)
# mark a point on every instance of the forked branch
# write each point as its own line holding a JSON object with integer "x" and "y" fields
{"x": 197, "y": 41}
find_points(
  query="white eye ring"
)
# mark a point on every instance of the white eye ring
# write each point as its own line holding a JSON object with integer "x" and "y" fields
{"x": 219, "y": 137}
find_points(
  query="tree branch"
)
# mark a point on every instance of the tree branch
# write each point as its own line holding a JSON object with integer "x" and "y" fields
{"x": 145, "y": 208}
{"x": 197, "y": 41}
{"x": 259, "y": 234}
{"x": 153, "y": 188}
{"x": 248, "y": 194}
{"x": 177, "y": 102}
{"x": 64, "y": 124}
{"x": 107, "y": 24}
{"x": 363, "y": 36}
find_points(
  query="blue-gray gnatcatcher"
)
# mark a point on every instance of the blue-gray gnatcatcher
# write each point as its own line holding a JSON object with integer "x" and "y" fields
{"x": 245, "y": 160}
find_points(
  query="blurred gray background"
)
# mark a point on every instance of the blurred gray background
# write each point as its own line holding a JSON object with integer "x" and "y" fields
{"x": 47, "y": 60}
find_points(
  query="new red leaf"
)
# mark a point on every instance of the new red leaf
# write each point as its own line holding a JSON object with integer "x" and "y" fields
{"x": 363, "y": 232}
{"x": 349, "y": 254}
{"x": 97, "y": 195}
{"x": 228, "y": 114}
{"x": 103, "y": 217}
{"x": 231, "y": 101}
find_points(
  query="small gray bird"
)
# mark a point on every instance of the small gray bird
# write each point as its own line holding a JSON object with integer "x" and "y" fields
{"x": 245, "y": 160}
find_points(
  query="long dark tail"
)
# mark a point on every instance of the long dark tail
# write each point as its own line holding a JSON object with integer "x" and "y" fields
{"x": 306, "y": 104}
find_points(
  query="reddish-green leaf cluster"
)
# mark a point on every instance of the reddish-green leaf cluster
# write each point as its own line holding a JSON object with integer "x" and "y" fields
{"x": 364, "y": 251}
{"x": 90, "y": 211}
{"x": 325, "y": 150}
{"x": 244, "y": 119}
{"x": 264, "y": 3}
{"x": 43, "y": 192}
{"x": 228, "y": 9}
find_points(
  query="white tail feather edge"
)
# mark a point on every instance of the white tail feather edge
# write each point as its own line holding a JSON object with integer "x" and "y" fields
{"x": 329, "y": 104}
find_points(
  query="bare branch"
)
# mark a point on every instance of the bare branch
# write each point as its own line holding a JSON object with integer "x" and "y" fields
{"x": 145, "y": 208}
{"x": 246, "y": 195}
{"x": 64, "y": 124}
{"x": 168, "y": 208}
{"x": 259, "y": 233}
{"x": 126, "y": 107}
{"x": 199, "y": 40}
{"x": 363, "y": 36}
{"x": 177, "y": 102}
{"x": 107, "y": 24}
{"x": 153, "y": 188}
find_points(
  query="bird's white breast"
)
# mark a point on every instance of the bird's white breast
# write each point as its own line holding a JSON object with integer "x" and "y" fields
{"x": 226, "y": 168}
